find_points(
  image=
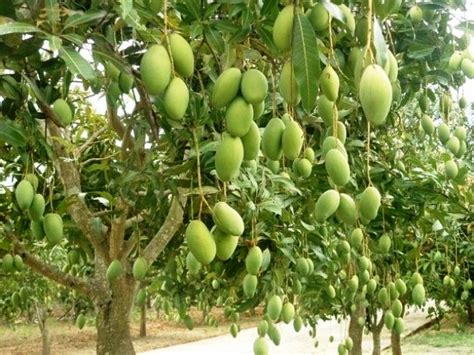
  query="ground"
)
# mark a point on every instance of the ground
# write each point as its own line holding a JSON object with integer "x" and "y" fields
{"x": 66, "y": 338}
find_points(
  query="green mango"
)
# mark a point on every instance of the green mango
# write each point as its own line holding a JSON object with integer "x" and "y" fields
{"x": 337, "y": 167}
{"x": 274, "y": 307}
{"x": 229, "y": 157}
{"x": 226, "y": 87}
{"x": 36, "y": 209}
{"x": 292, "y": 140}
{"x": 254, "y": 86}
{"x": 53, "y": 227}
{"x": 182, "y": 54}
{"x": 155, "y": 69}
{"x": 288, "y": 85}
{"x": 283, "y": 28}
{"x": 238, "y": 117}
{"x": 63, "y": 111}
{"x": 375, "y": 94}
{"x": 272, "y": 139}
{"x": 369, "y": 203}
{"x": 254, "y": 260}
{"x": 251, "y": 142}
{"x": 114, "y": 270}
{"x": 329, "y": 83}
{"x": 227, "y": 219}
{"x": 326, "y": 205}
{"x": 250, "y": 285}
{"x": 200, "y": 242}
{"x": 176, "y": 99}
{"x": 347, "y": 210}
{"x": 319, "y": 17}
{"x": 140, "y": 268}
{"x": 225, "y": 244}
{"x": 24, "y": 194}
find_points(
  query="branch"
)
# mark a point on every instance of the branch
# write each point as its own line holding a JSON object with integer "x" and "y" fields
{"x": 119, "y": 128}
{"x": 148, "y": 109}
{"x": 39, "y": 266}
{"x": 89, "y": 142}
{"x": 168, "y": 229}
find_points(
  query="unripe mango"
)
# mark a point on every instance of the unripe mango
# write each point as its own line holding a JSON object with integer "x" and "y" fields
{"x": 356, "y": 238}
{"x": 229, "y": 156}
{"x": 418, "y": 294}
{"x": 226, "y": 87}
{"x": 427, "y": 124}
{"x": 292, "y": 140}
{"x": 416, "y": 14}
{"x": 375, "y": 94}
{"x": 250, "y": 285}
{"x": 114, "y": 270}
{"x": 389, "y": 320}
{"x": 443, "y": 132}
{"x": 254, "y": 260}
{"x": 384, "y": 243}
{"x": 141, "y": 297}
{"x": 140, "y": 268}
{"x": 36, "y": 228}
{"x": 399, "y": 326}
{"x": 309, "y": 154}
{"x": 225, "y": 244}
{"x": 7, "y": 263}
{"x": 371, "y": 286}
{"x": 36, "y": 208}
{"x": 467, "y": 67}
{"x": 369, "y": 203}
{"x": 200, "y": 242}
{"x": 182, "y": 54}
{"x": 455, "y": 61}
{"x": 297, "y": 323}
{"x": 326, "y": 205}
{"x": 337, "y": 167}
{"x": 81, "y": 321}
{"x": 227, "y": 219}
{"x": 461, "y": 133}
{"x": 63, "y": 111}
{"x": 329, "y": 83}
{"x": 176, "y": 99}
{"x": 258, "y": 109}
{"x": 453, "y": 144}
{"x": 341, "y": 131}
{"x": 192, "y": 264}
{"x": 462, "y": 149}
{"x": 451, "y": 169}
{"x": 302, "y": 266}
{"x": 272, "y": 139}
{"x": 33, "y": 180}
{"x": 53, "y": 227}
{"x": 260, "y": 346}
{"x": 304, "y": 167}
{"x": 254, "y": 86}
{"x": 287, "y": 312}
{"x": 393, "y": 72}
{"x": 273, "y": 165}
{"x": 155, "y": 69}
{"x": 347, "y": 210}
{"x": 238, "y": 117}
{"x": 24, "y": 194}
{"x": 327, "y": 109}
{"x": 319, "y": 17}
{"x": 332, "y": 142}
{"x": 274, "y": 307}
{"x": 288, "y": 85}
{"x": 251, "y": 142}
{"x": 400, "y": 286}
{"x": 125, "y": 82}
{"x": 283, "y": 28}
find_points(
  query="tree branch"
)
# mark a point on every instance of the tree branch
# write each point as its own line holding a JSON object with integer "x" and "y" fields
{"x": 50, "y": 272}
{"x": 168, "y": 229}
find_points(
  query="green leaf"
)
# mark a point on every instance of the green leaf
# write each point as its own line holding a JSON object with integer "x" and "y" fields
{"x": 215, "y": 39}
{"x": 17, "y": 27}
{"x": 333, "y": 10}
{"x": 77, "y": 64}
{"x": 55, "y": 42}
{"x": 52, "y": 9}
{"x": 305, "y": 58}
{"x": 379, "y": 43}
{"x": 126, "y": 6}
{"x": 12, "y": 133}
{"x": 419, "y": 50}
{"x": 80, "y": 18}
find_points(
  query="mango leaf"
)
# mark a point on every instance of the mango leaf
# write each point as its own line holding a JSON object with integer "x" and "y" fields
{"x": 419, "y": 50}
{"x": 81, "y": 18}
{"x": 52, "y": 9}
{"x": 333, "y": 10}
{"x": 379, "y": 43}
{"x": 215, "y": 39}
{"x": 77, "y": 64}
{"x": 126, "y": 6}
{"x": 55, "y": 42}
{"x": 305, "y": 58}
{"x": 17, "y": 27}
{"x": 12, "y": 133}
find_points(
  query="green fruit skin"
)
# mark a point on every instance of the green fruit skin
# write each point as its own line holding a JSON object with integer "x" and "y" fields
{"x": 453, "y": 144}
{"x": 141, "y": 297}
{"x": 81, "y": 321}
{"x": 329, "y": 83}
{"x": 182, "y": 54}
{"x": 36, "y": 228}
{"x": 348, "y": 17}
{"x": 274, "y": 334}
{"x": 238, "y": 117}
{"x": 331, "y": 291}
{"x": 126, "y": 82}
{"x": 397, "y": 308}
{"x": 53, "y": 227}
{"x": 262, "y": 328}
{"x": 18, "y": 262}
{"x": 461, "y": 133}
{"x": 140, "y": 268}
{"x": 401, "y": 286}
{"x": 272, "y": 139}
{"x": 451, "y": 169}
{"x": 254, "y": 260}
{"x": 297, "y": 323}
{"x": 304, "y": 167}
{"x": 416, "y": 14}
{"x": 227, "y": 219}
{"x": 226, "y": 87}
{"x": 24, "y": 194}
{"x": 302, "y": 266}
{"x": 274, "y": 307}
{"x": 251, "y": 142}
{"x": 292, "y": 140}
{"x": 273, "y": 165}
{"x": 288, "y": 85}
{"x": 249, "y": 285}
{"x": 192, "y": 264}
{"x": 337, "y": 167}
{"x": 114, "y": 270}
{"x": 389, "y": 320}
{"x": 384, "y": 243}
{"x": 36, "y": 209}
{"x": 33, "y": 180}
{"x": 467, "y": 67}
{"x": 427, "y": 124}
{"x": 319, "y": 17}
{"x": 375, "y": 94}
{"x": 229, "y": 157}
{"x": 369, "y": 203}
{"x": 309, "y": 154}
{"x": 283, "y": 29}
{"x": 254, "y": 86}
{"x": 332, "y": 142}
{"x": 176, "y": 99}
{"x": 200, "y": 242}
{"x": 258, "y": 109}
{"x": 462, "y": 149}
{"x": 287, "y": 312}
{"x": 393, "y": 72}
{"x": 383, "y": 297}
{"x": 418, "y": 294}
{"x": 398, "y": 326}
{"x": 371, "y": 286}
{"x": 155, "y": 69}
{"x": 225, "y": 244}
{"x": 455, "y": 61}
{"x": 326, "y": 109}
{"x": 260, "y": 346}
{"x": 326, "y": 205}
{"x": 347, "y": 210}
{"x": 63, "y": 111}
{"x": 443, "y": 133}
{"x": 341, "y": 132}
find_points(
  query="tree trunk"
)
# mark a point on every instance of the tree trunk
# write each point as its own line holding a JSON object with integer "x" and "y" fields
{"x": 143, "y": 321}
{"x": 376, "y": 333}
{"x": 356, "y": 331}
{"x": 42, "y": 315}
{"x": 396, "y": 346}
{"x": 113, "y": 319}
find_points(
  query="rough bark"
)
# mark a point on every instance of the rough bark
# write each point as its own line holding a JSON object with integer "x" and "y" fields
{"x": 396, "y": 345}
{"x": 356, "y": 331}
{"x": 143, "y": 321}
{"x": 113, "y": 319}
{"x": 376, "y": 332}
{"x": 42, "y": 316}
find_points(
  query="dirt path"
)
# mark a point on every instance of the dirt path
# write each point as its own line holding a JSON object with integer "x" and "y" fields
{"x": 291, "y": 342}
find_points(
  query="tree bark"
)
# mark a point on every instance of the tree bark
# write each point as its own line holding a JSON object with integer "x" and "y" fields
{"x": 113, "y": 319}
{"x": 143, "y": 321}
{"x": 356, "y": 331}
{"x": 396, "y": 346}
{"x": 376, "y": 332}
{"x": 42, "y": 316}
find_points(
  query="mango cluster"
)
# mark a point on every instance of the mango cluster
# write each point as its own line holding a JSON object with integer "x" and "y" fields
{"x": 49, "y": 225}
{"x": 158, "y": 69}
{"x": 243, "y": 96}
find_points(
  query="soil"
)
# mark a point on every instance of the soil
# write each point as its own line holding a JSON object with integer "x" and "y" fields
{"x": 67, "y": 339}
